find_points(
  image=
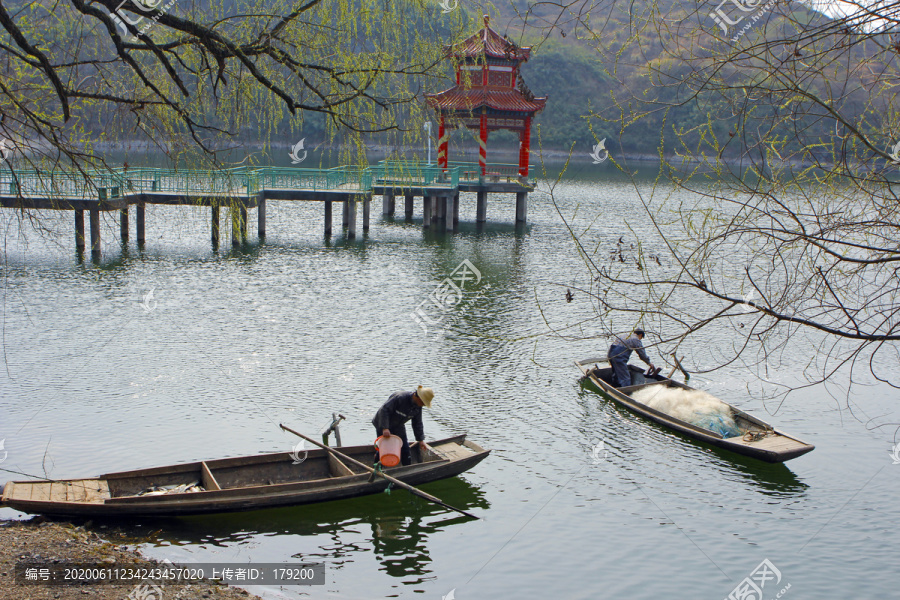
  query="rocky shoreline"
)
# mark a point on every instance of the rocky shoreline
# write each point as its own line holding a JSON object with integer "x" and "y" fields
{"x": 46, "y": 541}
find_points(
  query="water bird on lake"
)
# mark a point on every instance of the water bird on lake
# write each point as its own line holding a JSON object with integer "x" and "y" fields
{"x": 569, "y": 295}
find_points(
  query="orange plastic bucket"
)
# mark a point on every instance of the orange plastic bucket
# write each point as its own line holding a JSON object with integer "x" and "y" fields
{"x": 389, "y": 450}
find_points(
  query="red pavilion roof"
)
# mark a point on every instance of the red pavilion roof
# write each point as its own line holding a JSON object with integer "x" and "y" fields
{"x": 458, "y": 98}
{"x": 488, "y": 42}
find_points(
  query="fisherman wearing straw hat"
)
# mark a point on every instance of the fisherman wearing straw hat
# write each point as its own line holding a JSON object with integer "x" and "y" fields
{"x": 401, "y": 407}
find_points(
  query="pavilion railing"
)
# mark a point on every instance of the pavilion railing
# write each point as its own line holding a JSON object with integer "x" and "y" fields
{"x": 471, "y": 171}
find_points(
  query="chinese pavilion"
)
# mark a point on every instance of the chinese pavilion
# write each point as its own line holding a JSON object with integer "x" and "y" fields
{"x": 489, "y": 94}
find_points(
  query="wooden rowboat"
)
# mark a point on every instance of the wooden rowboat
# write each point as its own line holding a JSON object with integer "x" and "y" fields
{"x": 234, "y": 484}
{"x": 758, "y": 439}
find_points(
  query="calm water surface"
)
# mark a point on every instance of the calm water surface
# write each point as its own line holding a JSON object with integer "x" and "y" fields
{"x": 97, "y": 377}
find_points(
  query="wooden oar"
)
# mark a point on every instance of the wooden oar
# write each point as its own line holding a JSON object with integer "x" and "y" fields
{"x": 680, "y": 368}
{"x": 393, "y": 480}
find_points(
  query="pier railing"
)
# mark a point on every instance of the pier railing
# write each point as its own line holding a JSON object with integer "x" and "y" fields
{"x": 403, "y": 174}
{"x": 189, "y": 182}
{"x": 246, "y": 181}
{"x": 57, "y": 184}
{"x": 345, "y": 178}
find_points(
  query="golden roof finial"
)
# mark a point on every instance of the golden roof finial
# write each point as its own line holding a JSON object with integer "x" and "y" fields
{"x": 487, "y": 21}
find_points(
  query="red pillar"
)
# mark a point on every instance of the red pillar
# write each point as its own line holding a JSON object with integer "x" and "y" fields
{"x": 482, "y": 142}
{"x": 524, "y": 147}
{"x": 442, "y": 144}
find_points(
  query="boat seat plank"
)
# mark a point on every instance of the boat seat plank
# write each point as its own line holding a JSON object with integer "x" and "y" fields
{"x": 17, "y": 491}
{"x": 206, "y": 478}
{"x": 96, "y": 490}
{"x": 58, "y": 491}
{"x": 38, "y": 491}
{"x": 775, "y": 443}
{"x": 338, "y": 468}
{"x": 8, "y": 491}
{"x": 76, "y": 491}
{"x": 451, "y": 451}
{"x": 424, "y": 455}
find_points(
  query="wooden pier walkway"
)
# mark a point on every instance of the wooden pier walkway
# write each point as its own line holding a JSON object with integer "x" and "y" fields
{"x": 242, "y": 189}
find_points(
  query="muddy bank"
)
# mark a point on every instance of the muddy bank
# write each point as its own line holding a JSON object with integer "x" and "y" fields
{"x": 44, "y": 541}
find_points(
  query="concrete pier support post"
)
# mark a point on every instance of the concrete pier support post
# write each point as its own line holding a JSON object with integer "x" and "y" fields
{"x": 243, "y": 213}
{"x": 408, "y": 207}
{"x": 328, "y": 217}
{"x": 446, "y": 211}
{"x": 261, "y": 217}
{"x": 442, "y": 208}
{"x": 139, "y": 221}
{"x": 123, "y": 225}
{"x": 95, "y": 232}
{"x": 387, "y": 203}
{"x": 481, "y": 207}
{"x": 367, "y": 202}
{"x": 346, "y": 219}
{"x": 456, "y": 211}
{"x": 426, "y": 211}
{"x": 235, "y": 226}
{"x": 521, "y": 207}
{"x": 434, "y": 210}
{"x": 351, "y": 218}
{"x": 451, "y": 211}
{"x": 214, "y": 216}
{"x": 79, "y": 230}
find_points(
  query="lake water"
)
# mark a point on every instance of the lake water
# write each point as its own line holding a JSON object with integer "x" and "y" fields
{"x": 97, "y": 376}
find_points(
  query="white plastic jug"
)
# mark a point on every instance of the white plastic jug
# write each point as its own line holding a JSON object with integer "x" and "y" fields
{"x": 389, "y": 450}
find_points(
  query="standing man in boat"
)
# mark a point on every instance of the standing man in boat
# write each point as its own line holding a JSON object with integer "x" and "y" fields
{"x": 620, "y": 352}
{"x": 401, "y": 407}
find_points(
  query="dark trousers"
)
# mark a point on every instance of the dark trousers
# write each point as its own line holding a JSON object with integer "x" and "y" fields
{"x": 618, "y": 360}
{"x": 399, "y": 431}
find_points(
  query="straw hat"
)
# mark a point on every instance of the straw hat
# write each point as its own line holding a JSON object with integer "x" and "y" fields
{"x": 425, "y": 395}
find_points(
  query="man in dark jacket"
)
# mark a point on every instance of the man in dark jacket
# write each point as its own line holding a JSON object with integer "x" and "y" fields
{"x": 620, "y": 352}
{"x": 401, "y": 407}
